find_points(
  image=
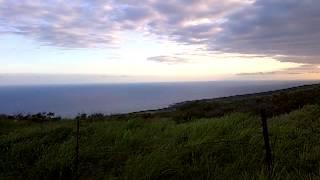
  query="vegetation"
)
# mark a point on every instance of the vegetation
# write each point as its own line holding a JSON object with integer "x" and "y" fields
{"x": 157, "y": 146}
{"x": 275, "y": 102}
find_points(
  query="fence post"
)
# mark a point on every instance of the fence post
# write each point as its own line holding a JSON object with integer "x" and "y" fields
{"x": 266, "y": 140}
{"x": 77, "y": 149}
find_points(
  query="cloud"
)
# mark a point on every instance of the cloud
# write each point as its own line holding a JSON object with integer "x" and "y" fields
{"x": 167, "y": 59}
{"x": 288, "y": 30}
{"x": 59, "y": 23}
{"x": 257, "y": 73}
{"x": 98, "y": 23}
{"x": 51, "y": 79}
{"x": 301, "y": 70}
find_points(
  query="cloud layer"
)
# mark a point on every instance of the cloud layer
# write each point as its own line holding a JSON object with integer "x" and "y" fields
{"x": 288, "y": 30}
{"x": 167, "y": 59}
{"x": 302, "y": 70}
{"x": 93, "y": 23}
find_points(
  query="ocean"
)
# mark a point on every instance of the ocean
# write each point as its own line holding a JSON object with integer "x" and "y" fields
{"x": 69, "y": 100}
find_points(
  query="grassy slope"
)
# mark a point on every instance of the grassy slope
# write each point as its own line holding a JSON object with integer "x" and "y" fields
{"x": 275, "y": 102}
{"x": 229, "y": 147}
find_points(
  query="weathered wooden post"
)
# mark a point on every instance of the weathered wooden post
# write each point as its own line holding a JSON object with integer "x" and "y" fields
{"x": 77, "y": 149}
{"x": 266, "y": 140}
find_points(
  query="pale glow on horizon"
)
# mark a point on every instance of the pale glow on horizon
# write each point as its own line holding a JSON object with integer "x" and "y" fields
{"x": 198, "y": 66}
{"x": 131, "y": 59}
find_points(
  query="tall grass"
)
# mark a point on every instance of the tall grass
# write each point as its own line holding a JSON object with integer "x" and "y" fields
{"x": 230, "y": 147}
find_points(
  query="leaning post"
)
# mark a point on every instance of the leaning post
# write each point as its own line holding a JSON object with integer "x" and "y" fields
{"x": 266, "y": 139}
{"x": 77, "y": 149}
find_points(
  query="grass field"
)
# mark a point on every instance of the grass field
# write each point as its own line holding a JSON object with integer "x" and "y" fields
{"x": 228, "y": 147}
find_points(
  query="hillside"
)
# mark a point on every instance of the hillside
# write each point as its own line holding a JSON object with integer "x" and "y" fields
{"x": 206, "y": 139}
{"x": 274, "y": 102}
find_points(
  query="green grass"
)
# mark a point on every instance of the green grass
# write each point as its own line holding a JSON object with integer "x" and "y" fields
{"x": 274, "y": 102}
{"x": 230, "y": 147}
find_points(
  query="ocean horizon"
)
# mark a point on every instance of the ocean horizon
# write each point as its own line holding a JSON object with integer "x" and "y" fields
{"x": 70, "y": 100}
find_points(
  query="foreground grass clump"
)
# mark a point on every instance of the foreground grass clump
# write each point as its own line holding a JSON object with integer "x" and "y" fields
{"x": 230, "y": 147}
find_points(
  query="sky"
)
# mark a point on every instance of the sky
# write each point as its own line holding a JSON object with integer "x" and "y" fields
{"x": 120, "y": 41}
